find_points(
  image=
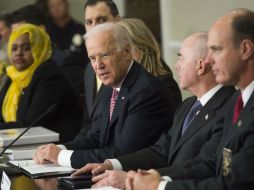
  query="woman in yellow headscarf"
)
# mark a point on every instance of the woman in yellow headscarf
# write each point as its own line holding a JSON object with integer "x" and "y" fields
{"x": 36, "y": 83}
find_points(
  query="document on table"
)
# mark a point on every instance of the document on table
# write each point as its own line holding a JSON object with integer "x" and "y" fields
{"x": 38, "y": 170}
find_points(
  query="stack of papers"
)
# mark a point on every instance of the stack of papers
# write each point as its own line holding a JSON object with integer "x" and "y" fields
{"x": 39, "y": 170}
{"x": 22, "y": 152}
{"x": 34, "y": 135}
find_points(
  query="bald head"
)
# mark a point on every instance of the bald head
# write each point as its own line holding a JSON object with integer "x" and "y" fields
{"x": 194, "y": 74}
{"x": 231, "y": 48}
{"x": 239, "y": 23}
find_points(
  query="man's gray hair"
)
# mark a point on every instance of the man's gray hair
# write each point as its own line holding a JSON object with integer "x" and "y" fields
{"x": 119, "y": 33}
{"x": 201, "y": 44}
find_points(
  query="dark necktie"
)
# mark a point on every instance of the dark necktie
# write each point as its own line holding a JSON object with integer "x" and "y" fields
{"x": 238, "y": 108}
{"x": 112, "y": 102}
{"x": 192, "y": 113}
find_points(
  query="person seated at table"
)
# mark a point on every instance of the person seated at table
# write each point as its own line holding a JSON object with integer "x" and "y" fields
{"x": 146, "y": 52}
{"x": 36, "y": 86}
{"x": 135, "y": 109}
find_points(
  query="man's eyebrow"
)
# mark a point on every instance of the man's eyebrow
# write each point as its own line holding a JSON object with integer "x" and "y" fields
{"x": 101, "y": 16}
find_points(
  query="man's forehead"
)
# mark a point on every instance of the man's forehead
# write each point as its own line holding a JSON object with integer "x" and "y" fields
{"x": 99, "y": 9}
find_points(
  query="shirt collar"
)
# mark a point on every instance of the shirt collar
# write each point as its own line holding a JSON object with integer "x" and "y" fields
{"x": 208, "y": 95}
{"x": 246, "y": 93}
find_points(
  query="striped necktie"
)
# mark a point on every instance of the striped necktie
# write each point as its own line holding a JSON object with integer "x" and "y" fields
{"x": 192, "y": 113}
{"x": 112, "y": 102}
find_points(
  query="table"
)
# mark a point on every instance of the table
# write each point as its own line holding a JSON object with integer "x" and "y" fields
{"x": 23, "y": 182}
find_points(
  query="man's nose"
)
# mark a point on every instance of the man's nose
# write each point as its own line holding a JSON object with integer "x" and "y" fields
{"x": 99, "y": 63}
{"x": 208, "y": 59}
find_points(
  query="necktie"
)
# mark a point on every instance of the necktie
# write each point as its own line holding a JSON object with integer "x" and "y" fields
{"x": 112, "y": 102}
{"x": 238, "y": 108}
{"x": 192, "y": 113}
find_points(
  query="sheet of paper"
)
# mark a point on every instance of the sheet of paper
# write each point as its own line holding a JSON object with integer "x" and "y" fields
{"x": 5, "y": 183}
{"x": 33, "y": 168}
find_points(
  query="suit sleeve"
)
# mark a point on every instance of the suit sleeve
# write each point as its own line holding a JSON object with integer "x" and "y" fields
{"x": 155, "y": 156}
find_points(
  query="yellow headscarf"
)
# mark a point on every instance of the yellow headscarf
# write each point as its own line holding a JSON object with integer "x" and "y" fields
{"x": 41, "y": 51}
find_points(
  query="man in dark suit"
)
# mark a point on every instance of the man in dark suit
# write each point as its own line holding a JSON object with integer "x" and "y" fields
{"x": 97, "y": 12}
{"x": 129, "y": 121}
{"x": 175, "y": 151}
{"x": 231, "y": 54}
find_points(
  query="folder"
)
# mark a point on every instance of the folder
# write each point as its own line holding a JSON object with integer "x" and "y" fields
{"x": 34, "y": 135}
{"x": 33, "y": 170}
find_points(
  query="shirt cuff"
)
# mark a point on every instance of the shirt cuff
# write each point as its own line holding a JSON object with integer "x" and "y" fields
{"x": 116, "y": 164}
{"x": 163, "y": 183}
{"x": 167, "y": 178}
{"x": 61, "y": 146}
{"x": 64, "y": 158}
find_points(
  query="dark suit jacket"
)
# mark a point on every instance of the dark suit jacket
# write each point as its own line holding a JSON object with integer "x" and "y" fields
{"x": 173, "y": 154}
{"x": 48, "y": 87}
{"x": 239, "y": 140}
{"x": 142, "y": 112}
{"x": 93, "y": 98}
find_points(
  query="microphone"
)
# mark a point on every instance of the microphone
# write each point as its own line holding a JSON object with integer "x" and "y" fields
{"x": 49, "y": 110}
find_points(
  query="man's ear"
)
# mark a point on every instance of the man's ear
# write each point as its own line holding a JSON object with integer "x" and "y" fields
{"x": 200, "y": 67}
{"x": 128, "y": 51}
{"x": 246, "y": 48}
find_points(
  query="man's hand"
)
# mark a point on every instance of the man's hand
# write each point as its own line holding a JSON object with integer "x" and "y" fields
{"x": 110, "y": 178}
{"x": 46, "y": 153}
{"x": 140, "y": 180}
{"x": 94, "y": 168}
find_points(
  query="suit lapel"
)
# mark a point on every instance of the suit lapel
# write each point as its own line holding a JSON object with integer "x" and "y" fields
{"x": 231, "y": 130}
{"x": 243, "y": 117}
{"x": 204, "y": 116}
{"x": 179, "y": 122}
{"x": 123, "y": 94}
{"x": 121, "y": 100}
{"x": 105, "y": 115}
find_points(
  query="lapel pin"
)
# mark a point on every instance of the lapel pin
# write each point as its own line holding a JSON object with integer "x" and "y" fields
{"x": 239, "y": 123}
{"x": 206, "y": 117}
{"x": 122, "y": 97}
